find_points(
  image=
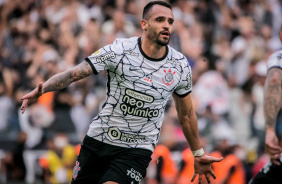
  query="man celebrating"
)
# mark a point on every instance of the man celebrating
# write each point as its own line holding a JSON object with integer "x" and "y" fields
{"x": 142, "y": 75}
{"x": 271, "y": 173}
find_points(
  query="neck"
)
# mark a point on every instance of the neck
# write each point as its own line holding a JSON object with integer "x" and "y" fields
{"x": 152, "y": 49}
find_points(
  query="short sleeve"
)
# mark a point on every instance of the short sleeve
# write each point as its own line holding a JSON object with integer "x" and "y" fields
{"x": 185, "y": 85}
{"x": 106, "y": 57}
{"x": 275, "y": 60}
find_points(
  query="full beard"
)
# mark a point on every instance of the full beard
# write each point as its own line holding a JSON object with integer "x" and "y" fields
{"x": 157, "y": 39}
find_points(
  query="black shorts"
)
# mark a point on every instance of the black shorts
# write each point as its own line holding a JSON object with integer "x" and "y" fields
{"x": 99, "y": 162}
{"x": 270, "y": 174}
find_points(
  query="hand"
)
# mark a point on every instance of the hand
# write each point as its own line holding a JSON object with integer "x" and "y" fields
{"x": 202, "y": 166}
{"x": 31, "y": 97}
{"x": 271, "y": 147}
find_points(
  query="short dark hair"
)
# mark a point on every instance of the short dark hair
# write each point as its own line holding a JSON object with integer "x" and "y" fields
{"x": 149, "y": 6}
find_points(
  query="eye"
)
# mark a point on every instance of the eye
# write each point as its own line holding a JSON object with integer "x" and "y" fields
{"x": 160, "y": 19}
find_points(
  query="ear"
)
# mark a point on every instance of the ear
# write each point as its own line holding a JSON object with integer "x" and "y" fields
{"x": 144, "y": 24}
{"x": 280, "y": 34}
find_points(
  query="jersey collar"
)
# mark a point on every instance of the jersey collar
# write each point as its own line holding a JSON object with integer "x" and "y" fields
{"x": 149, "y": 58}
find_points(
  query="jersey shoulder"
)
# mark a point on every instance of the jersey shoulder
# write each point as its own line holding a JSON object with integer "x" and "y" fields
{"x": 177, "y": 57}
{"x": 126, "y": 42}
{"x": 275, "y": 60}
{"x": 176, "y": 54}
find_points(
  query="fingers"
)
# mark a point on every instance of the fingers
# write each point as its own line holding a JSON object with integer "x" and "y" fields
{"x": 208, "y": 179}
{"x": 273, "y": 152}
{"x": 274, "y": 156}
{"x": 274, "y": 148}
{"x": 275, "y": 162}
{"x": 40, "y": 87}
{"x": 212, "y": 174}
{"x": 29, "y": 95}
{"x": 24, "y": 105}
{"x": 193, "y": 177}
{"x": 206, "y": 176}
{"x": 34, "y": 93}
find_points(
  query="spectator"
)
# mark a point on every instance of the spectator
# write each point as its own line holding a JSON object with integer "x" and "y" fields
{"x": 59, "y": 160}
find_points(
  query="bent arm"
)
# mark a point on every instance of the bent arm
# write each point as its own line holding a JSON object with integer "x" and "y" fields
{"x": 64, "y": 79}
{"x": 188, "y": 120}
{"x": 272, "y": 97}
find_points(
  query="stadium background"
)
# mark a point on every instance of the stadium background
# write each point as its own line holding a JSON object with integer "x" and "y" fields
{"x": 227, "y": 43}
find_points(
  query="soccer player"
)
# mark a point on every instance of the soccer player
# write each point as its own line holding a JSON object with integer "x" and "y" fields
{"x": 271, "y": 173}
{"x": 142, "y": 75}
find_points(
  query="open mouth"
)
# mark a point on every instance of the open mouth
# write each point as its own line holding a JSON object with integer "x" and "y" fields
{"x": 165, "y": 33}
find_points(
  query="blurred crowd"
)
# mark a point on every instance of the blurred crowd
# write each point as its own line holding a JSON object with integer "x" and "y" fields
{"x": 227, "y": 43}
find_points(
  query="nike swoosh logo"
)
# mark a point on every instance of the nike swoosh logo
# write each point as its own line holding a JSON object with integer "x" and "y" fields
{"x": 133, "y": 69}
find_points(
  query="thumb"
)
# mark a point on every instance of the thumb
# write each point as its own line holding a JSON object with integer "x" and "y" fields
{"x": 217, "y": 159}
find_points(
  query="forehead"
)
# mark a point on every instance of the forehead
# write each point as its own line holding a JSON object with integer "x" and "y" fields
{"x": 159, "y": 10}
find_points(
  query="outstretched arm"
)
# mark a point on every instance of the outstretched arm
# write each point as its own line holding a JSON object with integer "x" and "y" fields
{"x": 272, "y": 104}
{"x": 57, "y": 82}
{"x": 188, "y": 121}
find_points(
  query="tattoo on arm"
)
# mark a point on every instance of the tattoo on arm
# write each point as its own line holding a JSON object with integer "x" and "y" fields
{"x": 64, "y": 79}
{"x": 272, "y": 97}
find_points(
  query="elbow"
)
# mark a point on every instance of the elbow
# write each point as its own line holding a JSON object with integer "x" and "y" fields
{"x": 275, "y": 80}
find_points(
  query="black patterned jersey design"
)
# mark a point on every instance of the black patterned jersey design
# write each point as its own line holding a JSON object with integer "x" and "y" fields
{"x": 138, "y": 90}
{"x": 275, "y": 60}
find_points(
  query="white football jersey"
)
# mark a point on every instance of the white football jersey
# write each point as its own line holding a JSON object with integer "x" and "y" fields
{"x": 138, "y": 90}
{"x": 275, "y": 60}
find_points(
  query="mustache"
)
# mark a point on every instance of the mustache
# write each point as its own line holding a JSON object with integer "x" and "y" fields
{"x": 165, "y": 31}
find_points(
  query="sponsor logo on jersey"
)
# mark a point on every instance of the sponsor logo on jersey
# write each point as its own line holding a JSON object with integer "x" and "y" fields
{"x": 139, "y": 95}
{"x": 135, "y": 175}
{"x": 108, "y": 55}
{"x": 75, "y": 170}
{"x": 168, "y": 78}
{"x": 148, "y": 78}
{"x": 130, "y": 52}
{"x": 189, "y": 81}
{"x": 133, "y": 104}
{"x": 97, "y": 53}
{"x": 172, "y": 61}
{"x": 115, "y": 134}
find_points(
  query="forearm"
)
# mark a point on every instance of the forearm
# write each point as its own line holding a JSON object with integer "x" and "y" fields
{"x": 272, "y": 98}
{"x": 57, "y": 82}
{"x": 189, "y": 127}
{"x": 64, "y": 79}
{"x": 188, "y": 121}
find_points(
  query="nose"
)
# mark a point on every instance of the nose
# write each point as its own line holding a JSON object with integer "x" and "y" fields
{"x": 166, "y": 25}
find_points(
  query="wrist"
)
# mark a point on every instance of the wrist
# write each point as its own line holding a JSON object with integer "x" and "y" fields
{"x": 198, "y": 153}
{"x": 270, "y": 130}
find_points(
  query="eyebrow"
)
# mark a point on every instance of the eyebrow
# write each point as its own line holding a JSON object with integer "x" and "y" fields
{"x": 165, "y": 17}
